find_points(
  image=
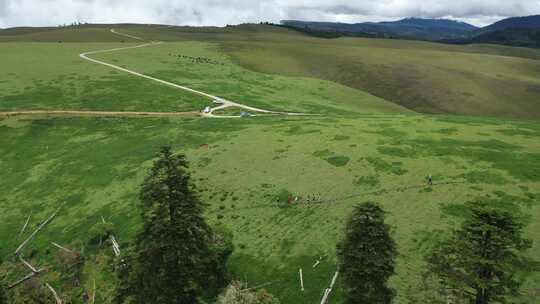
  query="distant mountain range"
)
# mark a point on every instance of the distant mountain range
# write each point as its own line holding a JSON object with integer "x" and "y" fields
{"x": 413, "y": 28}
{"x": 516, "y": 31}
{"x": 529, "y": 22}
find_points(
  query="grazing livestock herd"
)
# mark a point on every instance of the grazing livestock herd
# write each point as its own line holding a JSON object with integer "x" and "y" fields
{"x": 198, "y": 60}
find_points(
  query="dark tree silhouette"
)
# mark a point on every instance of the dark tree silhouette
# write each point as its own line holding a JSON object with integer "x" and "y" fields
{"x": 480, "y": 261}
{"x": 176, "y": 255}
{"x": 366, "y": 256}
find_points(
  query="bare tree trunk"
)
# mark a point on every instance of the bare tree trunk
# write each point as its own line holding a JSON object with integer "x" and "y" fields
{"x": 25, "y": 224}
{"x": 24, "y": 279}
{"x": 94, "y": 293}
{"x": 56, "y": 297}
{"x": 21, "y": 246}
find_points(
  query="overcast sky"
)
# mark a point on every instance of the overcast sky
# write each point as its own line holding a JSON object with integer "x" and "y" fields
{"x": 222, "y": 12}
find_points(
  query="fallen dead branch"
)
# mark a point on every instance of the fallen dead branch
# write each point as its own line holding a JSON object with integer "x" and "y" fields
{"x": 63, "y": 248}
{"x": 301, "y": 279}
{"x": 26, "y": 278}
{"x": 116, "y": 247}
{"x": 21, "y": 246}
{"x": 258, "y": 286}
{"x": 25, "y": 224}
{"x": 56, "y": 297}
{"x": 33, "y": 273}
{"x": 32, "y": 268}
{"x": 327, "y": 291}
{"x": 94, "y": 293}
{"x": 334, "y": 279}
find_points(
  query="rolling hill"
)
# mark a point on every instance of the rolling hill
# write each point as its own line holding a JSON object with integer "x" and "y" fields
{"x": 526, "y": 22}
{"x": 359, "y": 147}
{"x": 478, "y": 80}
{"x": 516, "y": 31}
{"x": 409, "y": 28}
{"x": 519, "y": 37}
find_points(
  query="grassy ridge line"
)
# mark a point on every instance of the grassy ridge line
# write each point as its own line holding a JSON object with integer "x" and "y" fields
{"x": 245, "y": 32}
{"x": 428, "y": 81}
{"x": 425, "y": 77}
{"x": 481, "y": 80}
{"x": 219, "y": 76}
{"x": 285, "y": 93}
{"x": 224, "y": 103}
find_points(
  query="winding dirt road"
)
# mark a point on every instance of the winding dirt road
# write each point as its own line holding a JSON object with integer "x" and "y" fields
{"x": 223, "y": 103}
{"x": 98, "y": 113}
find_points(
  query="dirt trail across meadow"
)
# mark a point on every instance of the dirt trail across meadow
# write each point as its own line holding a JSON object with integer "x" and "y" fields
{"x": 220, "y": 103}
{"x": 98, "y": 113}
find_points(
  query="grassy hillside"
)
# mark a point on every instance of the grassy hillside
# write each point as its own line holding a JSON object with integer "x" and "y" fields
{"x": 201, "y": 66}
{"x": 89, "y": 33}
{"x": 51, "y": 76}
{"x": 96, "y": 165}
{"x": 475, "y": 80}
{"x": 362, "y": 148}
{"x": 478, "y": 80}
{"x": 522, "y": 37}
{"x": 425, "y": 80}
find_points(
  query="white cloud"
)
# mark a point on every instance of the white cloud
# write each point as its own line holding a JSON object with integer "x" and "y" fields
{"x": 221, "y": 12}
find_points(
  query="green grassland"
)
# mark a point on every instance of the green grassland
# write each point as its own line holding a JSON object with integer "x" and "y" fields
{"x": 93, "y": 33}
{"x": 479, "y": 80}
{"x": 423, "y": 79}
{"x": 96, "y": 165}
{"x": 52, "y": 76}
{"x": 202, "y": 67}
{"x": 362, "y": 148}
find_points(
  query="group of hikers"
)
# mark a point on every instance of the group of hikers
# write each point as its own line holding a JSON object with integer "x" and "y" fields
{"x": 317, "y": 198}
{"x": 199, "y": 59}
{"x": 310, "y": 198}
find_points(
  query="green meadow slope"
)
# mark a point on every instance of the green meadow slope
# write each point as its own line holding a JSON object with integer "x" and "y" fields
{"x": 362, "y": 148}
{"x": 52, "y": 76}
{"x": 96, "y": 165}
{"x": 200, "y": 65}
{"x": 480, "y": 80}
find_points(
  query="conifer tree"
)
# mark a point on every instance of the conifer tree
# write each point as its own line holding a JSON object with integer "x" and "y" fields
{"x": 366, "y": 256}
{"x": 2, "y": 295}
{"x": 2, "y": 289}
{"x": 479, "y": 263}
{"x": 176, "y": 254}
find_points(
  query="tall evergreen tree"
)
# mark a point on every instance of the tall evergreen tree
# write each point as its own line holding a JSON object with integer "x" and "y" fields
{"x": 480, "y": 261}
{"x": 2, "y": 294}
{"x": 176, "y": 254}
{"x": 2, "y": 287}
{"x": 366, "y": 256}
